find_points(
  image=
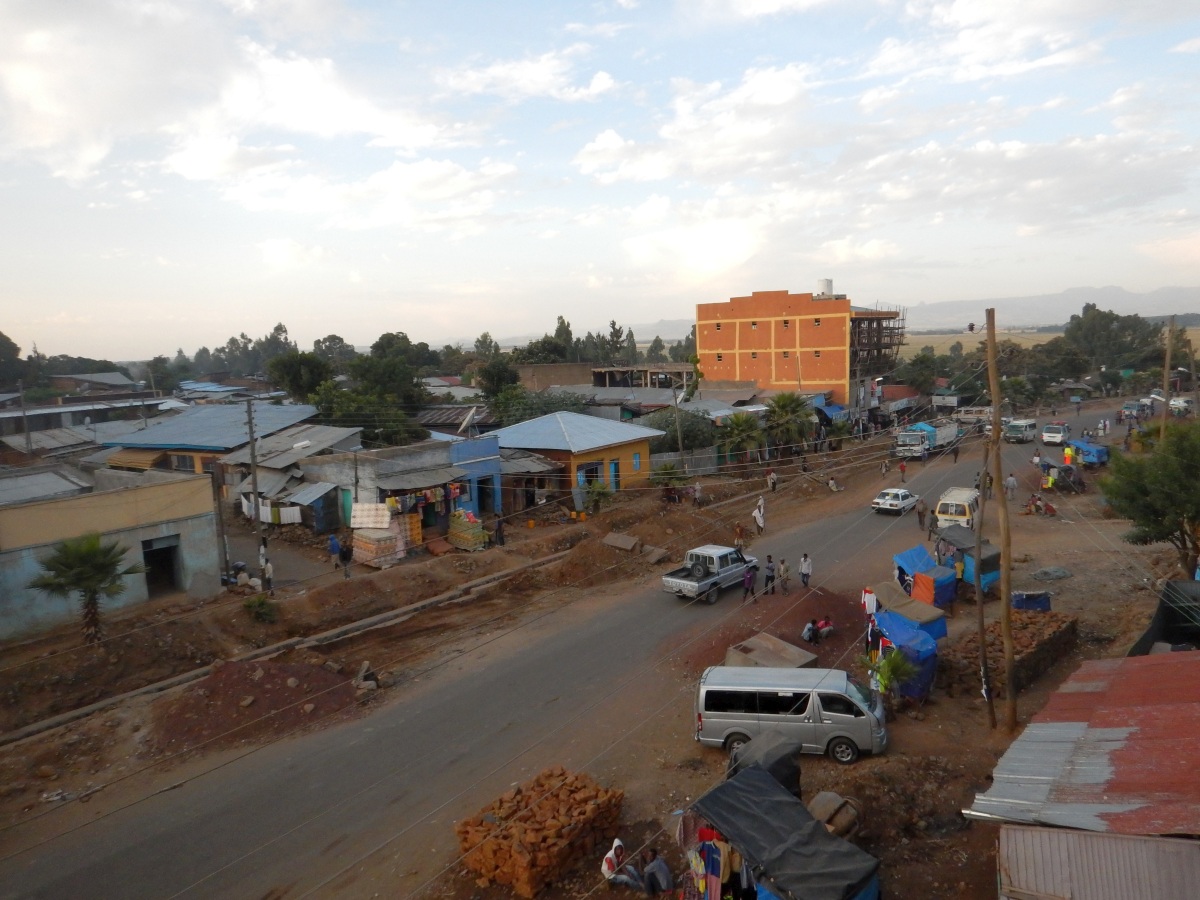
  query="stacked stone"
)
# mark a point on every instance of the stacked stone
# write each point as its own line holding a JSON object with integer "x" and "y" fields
{"x": 533, "y": 834}
{"x": 1040, "y": 639}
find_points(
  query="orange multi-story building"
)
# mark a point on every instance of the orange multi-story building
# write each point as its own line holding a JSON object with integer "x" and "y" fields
{"x": 802, "y": 342}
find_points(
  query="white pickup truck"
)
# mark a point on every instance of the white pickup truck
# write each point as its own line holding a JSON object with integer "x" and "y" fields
{"x": 706, "y": 570}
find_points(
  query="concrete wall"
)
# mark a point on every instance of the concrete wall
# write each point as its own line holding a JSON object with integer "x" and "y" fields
{"x": 633, "y": 460}
{"x": 538, "y": 377}
{"x": 481, "y": 457}
{"x": 178, "y": 513}
{"x": 339, "y": 468}
{"x": 694, "y": 462}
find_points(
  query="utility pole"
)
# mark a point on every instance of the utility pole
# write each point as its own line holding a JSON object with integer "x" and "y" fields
{"x": 222, "y": 546}
{"x": 984, "y": 677}
{"x": 253, "y": 473}
{"x": 25, "y": 419}
{"x": 1162, "y": 425}
{"x": 1195, "y": 383}
{"x": 678, "y": 423}
{"x": 1010, "y": 689}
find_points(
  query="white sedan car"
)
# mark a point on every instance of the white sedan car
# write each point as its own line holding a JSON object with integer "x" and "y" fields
{"x": 895, "y": 500}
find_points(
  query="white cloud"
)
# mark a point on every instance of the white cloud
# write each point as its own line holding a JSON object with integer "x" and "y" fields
{"x": 847, "y": 251}
{"x": 284, "y": 254}
{"x": 1179, "y": 253}
{"x": 548, "y": 75}
{"x": 695, "y": 251}
{"x": 1188, "y": 46}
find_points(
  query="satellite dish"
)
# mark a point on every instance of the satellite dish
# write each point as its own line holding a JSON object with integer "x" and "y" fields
{"x": 468, "y": 421}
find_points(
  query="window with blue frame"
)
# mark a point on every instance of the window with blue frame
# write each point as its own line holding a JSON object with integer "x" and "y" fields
{"x": 637, "y": 462}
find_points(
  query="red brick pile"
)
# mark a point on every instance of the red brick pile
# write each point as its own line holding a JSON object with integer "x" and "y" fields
{"x": 535, "y": 833}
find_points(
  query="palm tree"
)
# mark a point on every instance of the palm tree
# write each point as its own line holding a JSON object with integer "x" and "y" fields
{"x": 93, "y": 568}
{"x": 789, "y": 421}
{"x": 741, "y": 433}
{"x": 838, "y": 432}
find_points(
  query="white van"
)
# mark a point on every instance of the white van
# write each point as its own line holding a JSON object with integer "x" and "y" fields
{"x": 1020, "y": 431}
{"x": 825, "y": 710}
{"x": 958, "y": 506}
{"x": 1056, "y": 433}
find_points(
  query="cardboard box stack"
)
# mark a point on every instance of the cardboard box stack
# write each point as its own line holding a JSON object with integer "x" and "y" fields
{"x": 535, "y": 833}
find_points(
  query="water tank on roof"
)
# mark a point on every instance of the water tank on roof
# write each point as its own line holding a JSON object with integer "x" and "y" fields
{"x": 825, "y": 286}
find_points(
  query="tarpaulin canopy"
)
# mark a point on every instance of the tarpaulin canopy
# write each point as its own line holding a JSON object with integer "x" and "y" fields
{"x": 937, "y": 586}
{"x": 928, "y": 618}
{"x": 774, "y": 752}
{"x": 915, "y": 560}
{"x": 958, "y": 537}
{"x": 914, "y": 643}
{"x": 790, "y": 852}
{"x": 989, "y": 572}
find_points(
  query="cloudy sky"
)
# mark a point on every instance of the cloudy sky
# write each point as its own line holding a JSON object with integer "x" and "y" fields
{"x": 177, "y": 171}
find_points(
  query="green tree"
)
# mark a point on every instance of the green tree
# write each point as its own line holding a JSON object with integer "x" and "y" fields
{"x": 837, "y": 433}
{"x": 90, "y": 567}
{"x": 381, "y": 420}
{"x": 789, "y": 421}
{"x": 741, "y": 434}
{"x": 685, "y": 349}
{"x": 1105, "y": 338}
{"x": 955, "y": 350}
{"x": 334, "y": 350}
{"x": 1160, "y": 493}
{"x": 495, "y": 377}
{"x": 630, "y": 354}
{"x": 698, "y": 431}
{"x": 300, "y": 374}
{"x": 562, "y": 333}
{"x": 546, "y": 349}
{"x": 919, "y": 372}
{"x": 12, "y": 369}
{"x": 516, "y": 404}
{"x": 202, "y": 362}
{"x": 161, "y": 375}
{"x": 485, "y": 347}
{"x": 657, "y": 351}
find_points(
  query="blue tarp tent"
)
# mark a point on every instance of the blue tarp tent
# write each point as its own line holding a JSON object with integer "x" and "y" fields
{"x": 914, "y": 643}
{"x": 989, "y": 569}
{"x": 915, "y": 560}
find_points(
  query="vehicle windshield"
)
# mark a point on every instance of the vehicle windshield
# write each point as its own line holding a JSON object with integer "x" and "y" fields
{"x": 860, "y": 692}
{"x": 884, "y": 495}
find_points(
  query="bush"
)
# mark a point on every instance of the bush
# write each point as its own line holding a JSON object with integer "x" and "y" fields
{"x": 261, "y": 609}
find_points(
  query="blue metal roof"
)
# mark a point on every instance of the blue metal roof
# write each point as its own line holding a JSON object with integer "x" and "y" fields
{"x": 219, "y": 428}
{"x": 571, "y": 432}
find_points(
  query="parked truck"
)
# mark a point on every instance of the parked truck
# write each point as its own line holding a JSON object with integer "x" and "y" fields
{"x": 706, "y": 570}
{"x": 914, "y": 440}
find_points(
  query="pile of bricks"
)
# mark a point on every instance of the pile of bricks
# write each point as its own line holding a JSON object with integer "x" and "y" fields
{"x": 535, "y": 833}
{"x": 1040, "y": 639}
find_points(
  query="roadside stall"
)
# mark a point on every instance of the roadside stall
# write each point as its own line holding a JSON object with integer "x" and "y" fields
{"x": 962, "y": 540}
{"x": 1088, "y": 454}
{"x": 909, "y": 563}
{"x": 901, "y": 635}
{"x": 784, "y": 851}
{"x": 929, "y": 619}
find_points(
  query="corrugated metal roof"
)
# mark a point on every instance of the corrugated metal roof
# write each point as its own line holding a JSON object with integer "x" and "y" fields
{"x": 522, "y": 462}
{"x": 421, "y": 478}
{"x": 217, "y": 428}
{"x": 29, "y": 486}
{"x": 269, "y": 483}
{"x": 572, "y": 432}
{"x": 281, "y": 450}
{"x": 1105, "y": 752}
{"x": 1054, "y": 863}
{"x": 445, "y": 415}
{"x": 114, "y": 379}
{"x": 50, "y": 440}
{"x": 309, "y": 493}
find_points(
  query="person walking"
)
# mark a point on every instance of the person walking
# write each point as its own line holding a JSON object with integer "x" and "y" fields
{"x": 988, "y": 481}
{"x": 884, "y": 468}
{"x": 954, "y": 451}
{"x": 785, "y": 574}
{"x": 498, "y": 532}
{"x": 748, "y": 583}
{"x": 922, "y": 509}
{"x": 345, "y": 557}
{"x": 1010, "y": 486}
{"x": 739, "y": 536}
{"x": 805, "y": 569}
{"x": 772, "y": 480}
{"x": 335, "y": 551}
{"x": 924, "y": 455}
{"x": 903, "y": 467}
{"x": 269, "y": 577}
{"x": 933, "y": 524}
{"x": 696, "y": 494}
{"x": 760, "y": 522}
{"x": 769, "y": 579}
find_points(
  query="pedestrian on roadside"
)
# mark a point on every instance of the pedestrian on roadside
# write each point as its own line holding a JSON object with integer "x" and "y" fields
{"x": 262, "y": 552}
{"x": 922, "y": 509}
{"x": 811, "y": 633}
{"x": 696, "y": 494}
{"x": 748, "y": 582}
{"x": 769, "y": 579}
{"x": 805, "y": 569}
{"x": 988, "y": 481}
{"x": 1010, "y": 486}
{"x": 772, "y": 480}
{"x": 269, "y": 577}
{"x": 345, "y": 557}
{"x": 954, "y": 451}
{"x": 977, "y": 481}
{"x": 933, "y": 524}
{"x": 760, "y": 522}
{"x": 884, "y": 468}
{"x": 335, "y": 551}
{"x": 498, "y": 532}
{"x": 739, "y": 536}
{"x": 924, "y": 455}
{"x": 903, "y": 467}
{"x": 785, "y": 574}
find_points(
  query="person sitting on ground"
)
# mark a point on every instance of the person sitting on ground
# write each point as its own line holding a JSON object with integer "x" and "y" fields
{"x": 811, "y": 633}
{"x": 833, "y": 485}
{"x": 656, "y": 875}
{"x": 825, "y": 627}
{"x": 616, "y": 871}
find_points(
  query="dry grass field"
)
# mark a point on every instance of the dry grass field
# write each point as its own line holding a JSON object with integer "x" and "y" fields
{"x": 941, "y": 341}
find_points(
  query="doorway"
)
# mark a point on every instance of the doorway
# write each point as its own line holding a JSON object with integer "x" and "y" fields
{"x": 160, "y": 556}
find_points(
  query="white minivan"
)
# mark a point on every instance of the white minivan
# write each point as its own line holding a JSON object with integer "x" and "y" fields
{"x": 958, "y": 506}
{"x": 824, "y": 710}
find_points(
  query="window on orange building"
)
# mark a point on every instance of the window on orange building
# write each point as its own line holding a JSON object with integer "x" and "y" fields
{"x": 816, "y": 353}
{"x": 816, "y": 323}
{"x": 754, "y": 356}
{"x": 718, "y": 326}
{"x": 753, "y": 325}
{"x": 785, "y": 354}
{"x": 786, "y": 323}
{"x": 720, "y": 357}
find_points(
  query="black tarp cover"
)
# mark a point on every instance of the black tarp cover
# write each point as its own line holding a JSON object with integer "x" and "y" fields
{"x": 790, "y": 851}
{"x": 773, "y": 751}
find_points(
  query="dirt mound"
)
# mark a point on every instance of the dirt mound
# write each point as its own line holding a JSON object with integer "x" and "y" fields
{"x": 248, "y": 701}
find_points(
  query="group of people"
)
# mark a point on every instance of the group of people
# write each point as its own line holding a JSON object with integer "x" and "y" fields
{"x": 341, "y": 555}
{"x": 653, "y": 877}
{"x": 774, "y": 574}
{"x": 1039, "y": 505}
{"x": 817, "y": 630}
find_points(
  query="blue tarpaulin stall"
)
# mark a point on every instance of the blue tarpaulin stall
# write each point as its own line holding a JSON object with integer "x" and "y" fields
{"x": 1089, "y": 454}
{"x": 1038, "y": 600}
{"x": 989, "y": 567}
{"x": 914, "y": 643}
{"x": 915, "y": 560}
{"x": 929, "y": 619}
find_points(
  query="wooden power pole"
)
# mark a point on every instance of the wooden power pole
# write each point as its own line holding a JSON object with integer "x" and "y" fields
{"x": 984, "y": 675}
{"x": 1162, "y": 426}
{"x": 253, "y": 473}
{"x": 997, "y": 470}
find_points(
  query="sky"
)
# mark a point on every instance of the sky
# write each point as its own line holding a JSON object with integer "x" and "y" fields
{"x": 174, "y": 173}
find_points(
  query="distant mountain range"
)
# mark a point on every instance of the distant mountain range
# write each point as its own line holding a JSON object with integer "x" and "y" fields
{"x": 1012, "y": 313}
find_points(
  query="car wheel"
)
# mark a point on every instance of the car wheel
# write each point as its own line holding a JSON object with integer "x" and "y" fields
{"x": 843, "y": 750}
{"x": 699, "y": 569}
{"x": 735, "y": 741}
{"x": 711, "y": 596}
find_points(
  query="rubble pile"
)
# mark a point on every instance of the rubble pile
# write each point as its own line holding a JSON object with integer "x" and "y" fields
{"x": 1040, "y": 639}
{"x": 535, "y": 833}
